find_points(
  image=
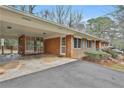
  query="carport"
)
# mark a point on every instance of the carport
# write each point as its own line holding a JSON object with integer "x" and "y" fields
{"x": 28, "y": 30}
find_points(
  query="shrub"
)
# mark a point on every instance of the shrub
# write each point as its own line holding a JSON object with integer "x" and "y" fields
{"x": 98, "y": 55}
{"x": 113, "y": 53}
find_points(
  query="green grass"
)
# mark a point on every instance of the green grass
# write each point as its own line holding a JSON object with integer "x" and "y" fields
{"x": 117, "y": 67}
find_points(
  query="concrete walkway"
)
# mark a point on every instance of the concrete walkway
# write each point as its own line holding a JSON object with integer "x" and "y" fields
{"x": 77, "y": 74}
{"x": 29, "y": 64}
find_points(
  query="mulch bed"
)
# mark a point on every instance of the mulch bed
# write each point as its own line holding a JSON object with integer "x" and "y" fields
{"x": 105, "y": 62}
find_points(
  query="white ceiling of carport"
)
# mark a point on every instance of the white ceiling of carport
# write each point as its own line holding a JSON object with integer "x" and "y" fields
{"x": 18, "y": 30}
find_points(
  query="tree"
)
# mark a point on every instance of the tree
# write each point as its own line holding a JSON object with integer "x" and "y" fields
{"x": 118, "y": 15}
{"x": 75, "y": 20}
{"x": 31, "y": 8}
{"x": 25, "y": 8}
{"x": 61, "y": 13}
{"x": 64, "y": 15}
{"x": 45, "y": 14}
{"x": 100, "y": 26}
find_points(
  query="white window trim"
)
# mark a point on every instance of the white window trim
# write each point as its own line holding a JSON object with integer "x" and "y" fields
{"x": 77, "y": 43}
{"x": 61, "y": 45}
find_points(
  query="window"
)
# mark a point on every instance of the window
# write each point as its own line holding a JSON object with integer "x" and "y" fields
{"x": 89, "y": 44}
{"x": 77, "y": 43}
{"x": 63, "y": 45}
{"x": 30, "y": 44}
{"x": 39, "y": 44}
{"x": 63, "y": 41}
{"x": 34, "y": 44}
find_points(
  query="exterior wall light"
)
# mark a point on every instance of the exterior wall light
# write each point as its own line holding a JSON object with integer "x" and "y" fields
{"x": 44, "y": 33}
{"x": 9, "y": 27}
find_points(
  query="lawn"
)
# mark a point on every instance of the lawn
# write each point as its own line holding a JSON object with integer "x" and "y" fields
{"x": 118, "y": 67}
{"x": 105, "y": 59}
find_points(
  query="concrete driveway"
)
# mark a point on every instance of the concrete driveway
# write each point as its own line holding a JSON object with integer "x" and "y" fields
{"x": 76, "y": 74}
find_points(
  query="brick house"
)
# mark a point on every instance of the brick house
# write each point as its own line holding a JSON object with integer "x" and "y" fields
{"x": 36, "y": 35}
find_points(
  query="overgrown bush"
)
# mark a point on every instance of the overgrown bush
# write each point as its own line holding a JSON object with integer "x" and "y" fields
{"x": 98, "y": 55}
{"x": 113, "y": 53}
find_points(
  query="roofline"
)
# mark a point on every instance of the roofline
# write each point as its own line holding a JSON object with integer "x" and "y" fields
{"x": 48, "y": 21}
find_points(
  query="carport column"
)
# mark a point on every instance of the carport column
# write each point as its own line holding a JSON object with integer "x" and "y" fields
{"x": 22, "y": 44}
{"x": 69, "y": 46}
{"x": 2, "y": 46}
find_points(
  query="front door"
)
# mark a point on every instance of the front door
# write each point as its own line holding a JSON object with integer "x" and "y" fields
{"x": 62, "y": 46}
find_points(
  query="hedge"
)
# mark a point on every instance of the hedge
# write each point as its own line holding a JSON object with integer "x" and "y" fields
{"x": 97, "y": 54}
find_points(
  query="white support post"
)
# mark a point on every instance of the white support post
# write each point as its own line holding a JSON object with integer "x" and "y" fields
{"x": 2, "y": 46}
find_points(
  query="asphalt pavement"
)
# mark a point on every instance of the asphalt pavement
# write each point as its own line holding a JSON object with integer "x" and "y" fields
{"x": 78, "y": 74}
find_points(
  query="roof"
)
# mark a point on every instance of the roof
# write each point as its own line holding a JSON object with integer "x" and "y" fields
{"x": 51, "y": 22}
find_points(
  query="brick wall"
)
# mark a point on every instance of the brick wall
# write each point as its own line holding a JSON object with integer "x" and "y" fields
{"x": 69, "y": 46}
{"x": 21, "y": 44}
{"x": 52, "y": 46}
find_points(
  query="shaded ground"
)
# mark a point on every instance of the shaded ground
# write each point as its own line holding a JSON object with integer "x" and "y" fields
{"x": 8, "y": 57}
{"x": 76, "y": 74}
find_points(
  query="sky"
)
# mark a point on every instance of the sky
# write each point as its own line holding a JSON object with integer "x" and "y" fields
{"x": 89, "y": 11}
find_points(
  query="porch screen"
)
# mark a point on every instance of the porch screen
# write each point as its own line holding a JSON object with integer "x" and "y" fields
{"x": 34, "y": 45}
{"x": 30, "y": 44}
{"x": 39, "y": 44}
